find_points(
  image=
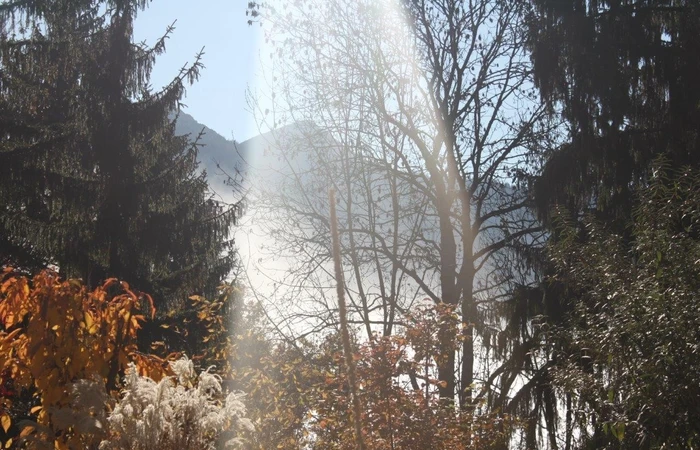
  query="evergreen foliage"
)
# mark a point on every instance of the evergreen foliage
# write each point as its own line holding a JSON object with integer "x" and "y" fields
{"x": 93, "y": 178}
{"x": 618, "y": 75}
{"x": 622, "y": 74}
{"x": 632, "y": 358}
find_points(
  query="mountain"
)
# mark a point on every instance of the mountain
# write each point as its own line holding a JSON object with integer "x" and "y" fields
{"x": 283, "y": 233}
{"x": 217, "y": 155}
{"x": 264, "y": 157}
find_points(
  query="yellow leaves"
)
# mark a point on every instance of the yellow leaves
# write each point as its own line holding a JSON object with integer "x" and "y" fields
{"x": 37, "y": 364}
{"x": 16, "y": 302}
{"x": 8, "y": 444}
{"x": 6, "y": 422}
{"x": 89, "y": 321}
{"x": 149, "y": 299}
{"x": 26, "y": 430}
{"x": 51, "y": 385}
{"x": 196, "y": 298}
{"x": 152, "y": 367}
{"x": 9, "y": 337}
{"x": 70, "y": 334}
{"x": 135, "y": 322}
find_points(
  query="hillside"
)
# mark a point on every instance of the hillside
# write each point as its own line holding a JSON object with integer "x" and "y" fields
{"x": 217, "y": 155}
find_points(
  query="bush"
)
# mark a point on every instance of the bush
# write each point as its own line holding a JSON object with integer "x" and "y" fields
{"x": 62, "y": 352}
{"x": 184, "y": 411}
{"x": 635, "y": 362}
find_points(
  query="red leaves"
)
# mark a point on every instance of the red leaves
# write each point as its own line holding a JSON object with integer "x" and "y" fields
{"x": 395, "y": 415}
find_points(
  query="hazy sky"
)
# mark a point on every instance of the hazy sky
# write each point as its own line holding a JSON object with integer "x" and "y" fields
{"x": 231, "y": 58}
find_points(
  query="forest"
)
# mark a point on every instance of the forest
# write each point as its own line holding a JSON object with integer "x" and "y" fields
{"x": 470, "y": 224}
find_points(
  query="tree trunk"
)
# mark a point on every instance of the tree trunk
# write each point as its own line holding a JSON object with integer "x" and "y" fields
{"x": 469, "y": 317}
{"x": 450, "y": 296}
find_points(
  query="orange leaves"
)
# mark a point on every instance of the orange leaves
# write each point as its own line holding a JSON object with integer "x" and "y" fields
{"x": 5, "y": 421}
{"x": 396, "y": 412}
{"x": 57, "y": 332}
{"x": 434, "y": 331}
{"x": 151, "y": 366}
{"x": 13, "y": 308}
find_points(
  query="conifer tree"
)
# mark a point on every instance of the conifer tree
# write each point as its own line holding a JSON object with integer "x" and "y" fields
{"x": 622, "y": 75}
{"x": 618, "y": 74}
{"x": 93, "y": 179}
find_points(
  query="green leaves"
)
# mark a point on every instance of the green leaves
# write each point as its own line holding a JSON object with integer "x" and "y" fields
{"x": 634, "y": 304}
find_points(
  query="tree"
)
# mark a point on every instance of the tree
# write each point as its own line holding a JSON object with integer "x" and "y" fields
{"x": 632, "y": 360}
{"x": 432, "y": 122}
{"x": 299, "y": 396}
{"x": 397, "y": 415}
{"x": 69, "y": 355}
{"x": 54, "y": 333}
{"x": 621, "y": 73}
{"x": 95, "y": 180}
{"x": 617, "y": 74}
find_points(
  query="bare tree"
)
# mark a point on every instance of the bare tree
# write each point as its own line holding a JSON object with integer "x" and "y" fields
{"x": 427, "y": 126}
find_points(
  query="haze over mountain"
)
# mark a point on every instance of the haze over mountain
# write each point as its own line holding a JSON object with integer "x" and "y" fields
{"x": 260, "y": 164}
{"x": 282, "y": 236}
{"x": 221, "y": 157}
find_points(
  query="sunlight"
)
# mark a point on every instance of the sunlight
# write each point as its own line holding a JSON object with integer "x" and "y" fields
{"x": 285, "y": 161}
{"x": 370, "y": 224}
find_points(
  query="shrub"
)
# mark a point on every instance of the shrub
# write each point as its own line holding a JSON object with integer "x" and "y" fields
{"x": 184, "y": 411}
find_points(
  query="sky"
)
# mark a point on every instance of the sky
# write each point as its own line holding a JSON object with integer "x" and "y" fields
{"x": 231, "y": 46}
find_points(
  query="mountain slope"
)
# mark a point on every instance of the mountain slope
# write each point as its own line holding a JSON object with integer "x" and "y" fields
{"x": 214, "y": 149}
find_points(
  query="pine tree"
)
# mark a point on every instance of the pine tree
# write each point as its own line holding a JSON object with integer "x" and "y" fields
{"x": 619, "y": 75}
{"x": 94, "y": 179}
{"x": 622, "y": 73}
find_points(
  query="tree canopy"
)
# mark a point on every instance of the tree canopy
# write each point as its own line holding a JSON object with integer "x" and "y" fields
{"x": 621, "y": 73}
{"x": 94, "y": 180}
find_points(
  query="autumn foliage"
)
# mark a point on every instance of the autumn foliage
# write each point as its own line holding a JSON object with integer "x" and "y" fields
{"x": 64, "y": 352}
{"x": 53, "y": 334}
{"x": 298, "y": 395}
{"x": 399, "y": 389}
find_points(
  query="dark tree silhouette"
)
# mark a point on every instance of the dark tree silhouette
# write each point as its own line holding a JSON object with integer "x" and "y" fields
{"x": 93, "y": 179}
